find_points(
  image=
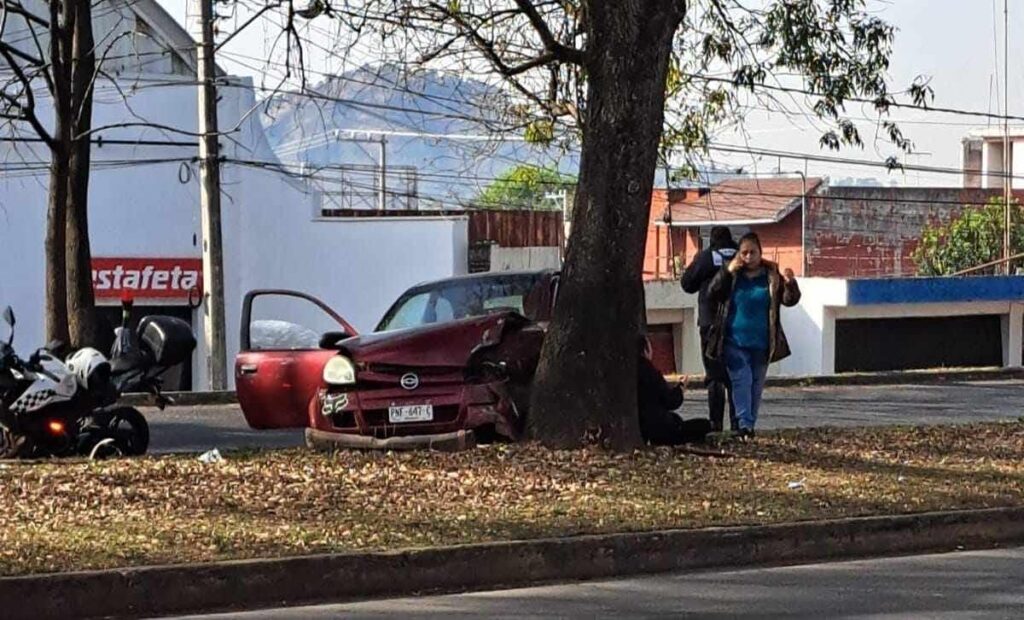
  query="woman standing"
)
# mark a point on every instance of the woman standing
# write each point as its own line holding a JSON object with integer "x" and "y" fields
{"x": 747, "y": 332}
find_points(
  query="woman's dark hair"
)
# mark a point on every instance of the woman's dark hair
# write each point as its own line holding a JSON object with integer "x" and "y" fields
{"x": 753, "y": 238}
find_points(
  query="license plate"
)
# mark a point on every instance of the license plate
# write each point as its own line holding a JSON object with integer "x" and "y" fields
{"x": 411, "y": 413}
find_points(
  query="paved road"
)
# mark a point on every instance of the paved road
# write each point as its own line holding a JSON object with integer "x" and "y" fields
{"x": 197, "y": 429}
{"x": 986, "y": 584}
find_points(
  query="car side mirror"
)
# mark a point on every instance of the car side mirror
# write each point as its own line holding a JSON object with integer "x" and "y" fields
{"x": 330, "y": 340}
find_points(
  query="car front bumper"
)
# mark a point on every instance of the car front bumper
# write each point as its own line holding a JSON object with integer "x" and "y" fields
{"x": 363, "y": 414}
{"x": 444, "y": 442}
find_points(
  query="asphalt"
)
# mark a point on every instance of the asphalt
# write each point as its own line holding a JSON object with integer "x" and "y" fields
{"x": 981, "y": 584}
{"x": 197, "y": 429}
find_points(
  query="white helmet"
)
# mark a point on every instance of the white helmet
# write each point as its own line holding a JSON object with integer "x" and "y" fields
{"x": 90, "y": 367}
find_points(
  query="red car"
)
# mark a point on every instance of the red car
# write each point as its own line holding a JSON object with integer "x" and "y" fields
{"x": 451, "y": 362}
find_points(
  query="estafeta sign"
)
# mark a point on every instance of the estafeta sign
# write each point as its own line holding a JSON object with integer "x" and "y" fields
{"x": 148, "y": 278}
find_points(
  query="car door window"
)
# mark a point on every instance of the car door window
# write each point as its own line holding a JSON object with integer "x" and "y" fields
{"x": 286, "y": 323}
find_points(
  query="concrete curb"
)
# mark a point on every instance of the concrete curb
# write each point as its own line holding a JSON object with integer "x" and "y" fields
{"x": 183, "y": 399}
{"x": 290, "y": 581}
{"x": 906, "y": 377}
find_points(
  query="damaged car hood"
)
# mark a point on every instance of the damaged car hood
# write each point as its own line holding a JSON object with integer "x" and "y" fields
{"x": 448, "y": 344}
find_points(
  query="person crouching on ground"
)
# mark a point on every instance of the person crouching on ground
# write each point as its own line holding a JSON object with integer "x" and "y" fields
{"x": 747, "y": 332}
{"x": 657, "y": 402}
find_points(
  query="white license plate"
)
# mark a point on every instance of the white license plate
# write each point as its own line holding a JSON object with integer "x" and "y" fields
{"x": 411, "y": 413}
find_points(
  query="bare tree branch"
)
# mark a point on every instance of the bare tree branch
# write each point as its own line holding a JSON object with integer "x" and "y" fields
{"x": 559, "y": 51}
{"x": 29, "y": 107}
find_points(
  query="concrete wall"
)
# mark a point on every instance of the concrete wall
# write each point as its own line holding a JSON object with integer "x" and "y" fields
{"x": 856, "y": 232}
{"x": 517, "y": 259}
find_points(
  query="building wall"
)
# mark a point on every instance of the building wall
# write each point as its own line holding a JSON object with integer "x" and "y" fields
{"x": 867, "y": 232}
{"x": 782, "y": 242}
{"x": 659, "y": 250}
{"x": 811, "y": 325}
{"x": 272, "y": 237}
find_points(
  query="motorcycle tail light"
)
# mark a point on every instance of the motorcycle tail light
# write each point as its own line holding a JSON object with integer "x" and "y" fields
{"x": 56, "y": 427}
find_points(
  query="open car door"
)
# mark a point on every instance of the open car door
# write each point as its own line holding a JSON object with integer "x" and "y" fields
{"x": 280, "y": 363}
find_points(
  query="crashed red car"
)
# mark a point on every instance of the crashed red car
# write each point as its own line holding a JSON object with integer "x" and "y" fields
{"x": 449, "y": 363}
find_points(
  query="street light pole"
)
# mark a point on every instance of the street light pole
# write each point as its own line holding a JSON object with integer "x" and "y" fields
{"x": 382, "y": 201}
{"x": 1007, "y": 153}
{"x": 209, "y": 204}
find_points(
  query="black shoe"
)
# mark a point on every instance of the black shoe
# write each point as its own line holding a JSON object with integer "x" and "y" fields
{"x": 746, "y": 434}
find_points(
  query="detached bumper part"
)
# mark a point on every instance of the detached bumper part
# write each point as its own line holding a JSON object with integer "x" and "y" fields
{"x": 444, "y": 442}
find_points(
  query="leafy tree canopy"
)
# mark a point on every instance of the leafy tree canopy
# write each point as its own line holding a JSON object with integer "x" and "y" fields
{"x": 973, "y": 238}
{"x": 527, "y": 187}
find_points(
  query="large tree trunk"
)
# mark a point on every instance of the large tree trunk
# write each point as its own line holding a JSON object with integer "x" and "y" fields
{"x": 585, "y": 387}
{"x": 55, "y": 249}
{"x": 61, "y": 17}
{"x": 82, "y": 319}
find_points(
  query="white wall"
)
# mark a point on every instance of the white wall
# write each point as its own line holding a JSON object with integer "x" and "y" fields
{"x": 271, "y": 238}
{"x": 809, "y": 330}
{"x": 810, "y": 325}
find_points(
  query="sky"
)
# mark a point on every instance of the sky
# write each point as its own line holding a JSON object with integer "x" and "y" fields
{"x": 958, "y": 44}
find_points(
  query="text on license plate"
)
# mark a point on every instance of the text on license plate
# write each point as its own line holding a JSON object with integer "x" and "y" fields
{"x": 411, "y": 413}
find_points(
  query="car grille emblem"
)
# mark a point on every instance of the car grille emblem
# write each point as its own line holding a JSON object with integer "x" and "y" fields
{"x": 410, "y": 381}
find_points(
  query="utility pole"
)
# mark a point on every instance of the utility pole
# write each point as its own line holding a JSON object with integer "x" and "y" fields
{"x": 382, "y": 200}
{"x": 209, "y": 204}
{"x": 1007, "y": 153}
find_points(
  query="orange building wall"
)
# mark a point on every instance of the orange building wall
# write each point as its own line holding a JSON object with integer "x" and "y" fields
{"x": 782, "y": 243}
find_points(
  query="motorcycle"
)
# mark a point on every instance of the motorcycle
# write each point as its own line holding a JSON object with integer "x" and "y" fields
{"x": 54, "y": 408}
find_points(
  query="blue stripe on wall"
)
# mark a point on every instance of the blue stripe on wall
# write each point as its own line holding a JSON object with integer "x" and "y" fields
{"x": 935, "y": 290}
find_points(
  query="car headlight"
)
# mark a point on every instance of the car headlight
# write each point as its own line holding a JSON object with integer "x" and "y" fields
{"x": 339, "y": 371}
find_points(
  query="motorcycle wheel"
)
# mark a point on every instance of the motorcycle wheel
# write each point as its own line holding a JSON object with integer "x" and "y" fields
{"x": 12, "y": 446}
{"x": 129, "y": 429}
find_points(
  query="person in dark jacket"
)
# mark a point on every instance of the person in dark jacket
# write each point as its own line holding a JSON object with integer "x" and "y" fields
{"x": 657, "y": 402}
{"x": 696, "y": 279}
{"x": 747, "y": 331}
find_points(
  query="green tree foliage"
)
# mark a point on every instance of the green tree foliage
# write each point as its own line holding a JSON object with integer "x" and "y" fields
{"x": 527, "y": 187}
{"x": 973, "y": 238}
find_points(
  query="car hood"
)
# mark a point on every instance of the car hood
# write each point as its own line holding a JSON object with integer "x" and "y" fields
{"x": 441, "y": 344}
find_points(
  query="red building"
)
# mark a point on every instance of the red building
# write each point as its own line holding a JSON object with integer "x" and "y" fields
{"x": 832, "y": 232}
{"x": 681, "y": 221}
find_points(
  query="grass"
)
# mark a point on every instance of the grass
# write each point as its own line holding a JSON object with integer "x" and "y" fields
{"x": 60, "y": 516}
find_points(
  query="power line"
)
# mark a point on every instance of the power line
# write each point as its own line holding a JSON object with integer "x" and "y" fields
{"x": 891, "y": 104}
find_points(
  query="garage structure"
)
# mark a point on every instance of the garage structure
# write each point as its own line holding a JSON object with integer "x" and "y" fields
{"x": 868, "y": 325}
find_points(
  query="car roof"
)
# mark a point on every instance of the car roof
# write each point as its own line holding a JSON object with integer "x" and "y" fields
{"x": 476, "y": 277}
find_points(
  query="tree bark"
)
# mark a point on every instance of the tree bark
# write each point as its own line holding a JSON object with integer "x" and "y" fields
{"x": 82, "y": 320}
{"x": 55, "y": 250}
{"x": 61, "y": 20}
{"x": 586, "y": 381}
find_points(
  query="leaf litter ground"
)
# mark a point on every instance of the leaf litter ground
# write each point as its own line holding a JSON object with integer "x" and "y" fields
{"x": 63, "y": 516}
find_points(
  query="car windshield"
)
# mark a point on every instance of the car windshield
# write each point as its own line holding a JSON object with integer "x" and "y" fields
{"x": 459, "y": 299}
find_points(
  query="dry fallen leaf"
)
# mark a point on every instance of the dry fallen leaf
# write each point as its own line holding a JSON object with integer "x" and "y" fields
{"x": 62, "y": 516}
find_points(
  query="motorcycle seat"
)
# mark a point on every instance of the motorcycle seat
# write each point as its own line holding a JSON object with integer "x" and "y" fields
{"x": 136, "y": 359}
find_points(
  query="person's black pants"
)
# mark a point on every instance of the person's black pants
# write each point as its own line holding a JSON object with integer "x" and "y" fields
{"x": 716, "y": 379}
